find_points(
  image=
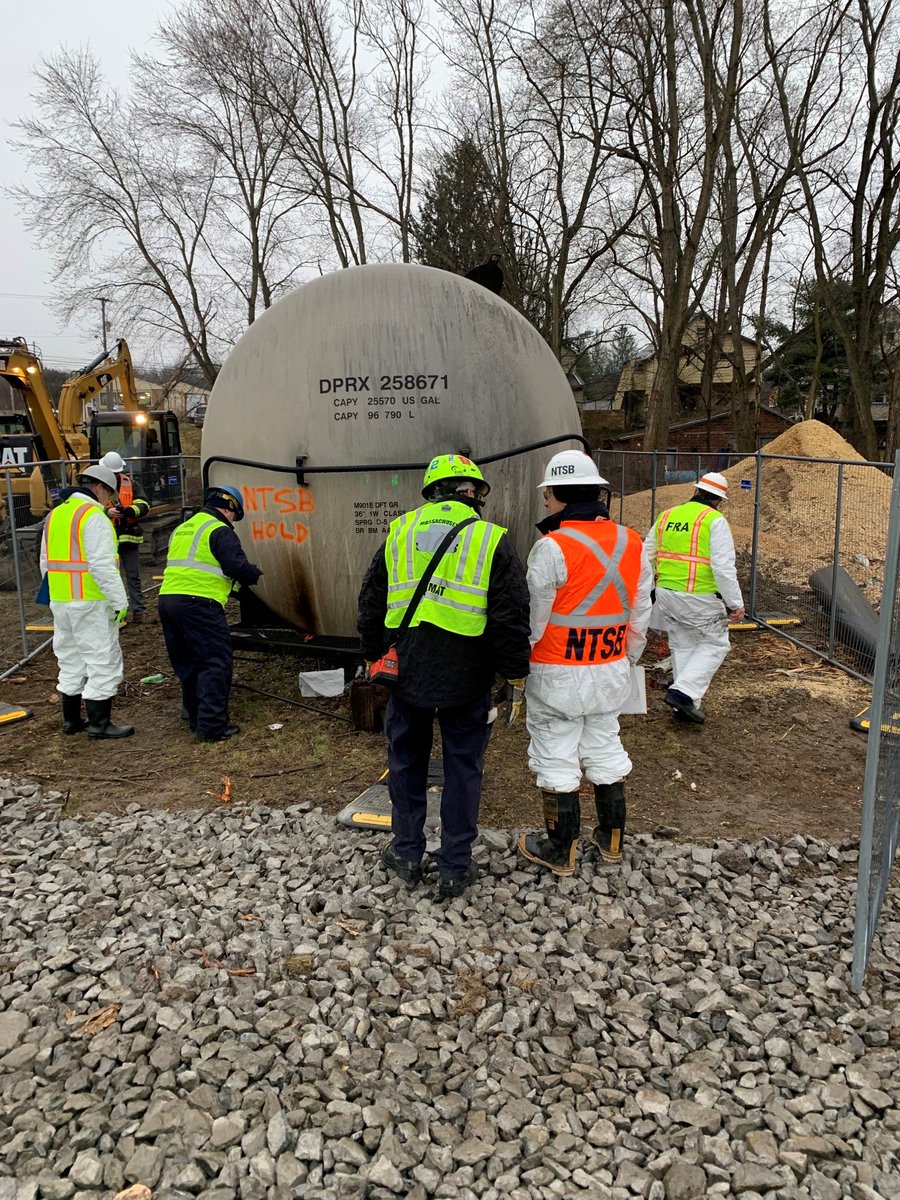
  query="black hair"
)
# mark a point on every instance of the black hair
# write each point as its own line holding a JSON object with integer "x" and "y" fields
{"x": 707, "y": 498}
{"x": 574, "y": 493}
{"x": 449, "y": 489}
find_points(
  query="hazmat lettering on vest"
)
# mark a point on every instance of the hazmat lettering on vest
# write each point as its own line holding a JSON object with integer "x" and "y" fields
{"x": 600, "y": 644}
{"x": 437, "y": 589}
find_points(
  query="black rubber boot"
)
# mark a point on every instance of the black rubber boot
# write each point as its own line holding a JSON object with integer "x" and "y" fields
{"x": 608, "y": 835}
{"x": 73, "y": 721}
{"x": 99, "y": 723}
{"x": 562, "y": 817}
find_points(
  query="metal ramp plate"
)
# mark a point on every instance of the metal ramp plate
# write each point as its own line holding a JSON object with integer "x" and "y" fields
{"x": 862, "y": 722}
{"x": 372, "y": 808}
{"x": 779, "y": 620}
{"x": 10, "y": 713}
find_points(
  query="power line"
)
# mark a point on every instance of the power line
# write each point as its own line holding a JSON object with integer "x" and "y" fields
{"x": 25, "y": 296}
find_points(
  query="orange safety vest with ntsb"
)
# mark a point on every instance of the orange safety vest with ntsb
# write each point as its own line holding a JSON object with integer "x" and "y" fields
{"x": 590, "y": 613}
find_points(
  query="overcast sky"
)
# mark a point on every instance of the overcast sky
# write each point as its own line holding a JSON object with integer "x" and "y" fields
{"x": 111, "y": 28}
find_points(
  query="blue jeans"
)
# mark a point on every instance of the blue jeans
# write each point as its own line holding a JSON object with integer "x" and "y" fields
{"x": 464, "y": 735}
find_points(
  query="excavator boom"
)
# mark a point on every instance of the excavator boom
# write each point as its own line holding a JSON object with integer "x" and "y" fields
{"x": 80, "y": 389}
{"x": 21, "y": 369}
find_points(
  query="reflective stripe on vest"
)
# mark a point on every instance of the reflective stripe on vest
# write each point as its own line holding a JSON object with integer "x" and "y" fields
{"x": 456, "y": 599}
{"x": 589, "y": 619}
{"x": 68, "y": 574}
{"x": 191, "y": 567}
{"x": 682, "y": 549}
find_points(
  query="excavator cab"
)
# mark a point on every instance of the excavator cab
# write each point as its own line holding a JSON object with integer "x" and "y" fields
{"x": 150, "y": 443}
{"x": 17, "y": 440}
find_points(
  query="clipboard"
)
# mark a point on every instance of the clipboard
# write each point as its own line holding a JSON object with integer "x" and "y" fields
{"x": 636, "y": 701}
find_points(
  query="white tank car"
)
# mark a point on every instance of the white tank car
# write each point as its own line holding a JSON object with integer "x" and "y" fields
{"x": 378, "y": 367}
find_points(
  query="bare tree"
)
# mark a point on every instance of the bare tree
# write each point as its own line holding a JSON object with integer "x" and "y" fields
{"x": 119, "y": 212}
{"x": 850, "y": 172}
{"x": 208, "y": 89}
{"x": 528, "y": 86}
{"x": 675, "y": 72}
{"x": 353, "y": 145}
{"x": 175, "y": 203}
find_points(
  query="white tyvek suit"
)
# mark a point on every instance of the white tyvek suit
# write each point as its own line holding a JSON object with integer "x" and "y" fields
{"x": 85, "y": 634}
{"x": 697, "y": 624}
{"x": 573, "y": 711}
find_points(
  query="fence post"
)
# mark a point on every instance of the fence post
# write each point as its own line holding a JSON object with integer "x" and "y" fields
{"x": 832, "y": 622}
{"x": 622, "y": 488}
{"x": 20, "y": 583}
{"x": 866, "y": 913}
{"x": 754, "y": 545}
{"x": 653, "y": 491}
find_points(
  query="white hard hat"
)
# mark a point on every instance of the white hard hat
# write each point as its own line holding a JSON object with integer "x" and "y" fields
{"x": 114, "y": 461}
{"x": 100, "y": 474}
{"x": 572, "y": 467}
{"x": 715, "y": 484}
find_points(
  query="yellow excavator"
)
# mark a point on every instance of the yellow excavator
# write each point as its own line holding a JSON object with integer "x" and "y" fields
{"x": 64, "y": 440}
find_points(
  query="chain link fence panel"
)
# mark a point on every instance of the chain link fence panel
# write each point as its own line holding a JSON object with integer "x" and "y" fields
{"x": 880, "y": 833}
{"x": 805, "y": 531}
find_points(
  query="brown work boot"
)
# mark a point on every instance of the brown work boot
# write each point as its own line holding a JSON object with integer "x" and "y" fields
{"x": 562, "y": 818}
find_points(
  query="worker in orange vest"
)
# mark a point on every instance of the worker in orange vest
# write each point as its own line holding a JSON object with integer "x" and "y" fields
{"x": 589, "y": 581}
{"x": 126, "y": 516}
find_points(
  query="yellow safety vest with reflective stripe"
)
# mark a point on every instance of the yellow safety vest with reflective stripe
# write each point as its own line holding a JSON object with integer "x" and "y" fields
{"x": 191, "y": 567}
{"x": 682, "y": 548}
{"x": 456, "y": 598}
{"x": 68, "y": 576}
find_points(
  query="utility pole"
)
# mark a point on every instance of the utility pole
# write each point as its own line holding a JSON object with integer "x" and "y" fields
{"x": 104, "y": 300}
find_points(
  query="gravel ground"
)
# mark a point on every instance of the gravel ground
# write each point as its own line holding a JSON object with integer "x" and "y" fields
{"x": 238, "y": 1003}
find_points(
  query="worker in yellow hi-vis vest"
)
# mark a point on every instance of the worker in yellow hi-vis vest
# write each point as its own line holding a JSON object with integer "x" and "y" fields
{"x": 692, "y": 551}
{"x": 448, "y": 591}
{"x": 88, "y": 602}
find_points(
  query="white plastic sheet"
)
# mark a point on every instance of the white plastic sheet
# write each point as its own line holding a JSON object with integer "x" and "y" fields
{"x": 322, "y": 683}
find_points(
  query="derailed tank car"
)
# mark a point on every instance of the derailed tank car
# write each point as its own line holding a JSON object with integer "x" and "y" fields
{"x": 349, "y": 386}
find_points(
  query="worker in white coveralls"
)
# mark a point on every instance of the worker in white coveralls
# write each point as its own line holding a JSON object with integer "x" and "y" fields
{"x": 697, "y": 590}
{"x": 589, "y": 583}
{"x": 88, "y": 602}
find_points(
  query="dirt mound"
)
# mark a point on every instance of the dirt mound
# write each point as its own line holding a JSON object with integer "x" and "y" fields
{"x": 798, "y": 502}
{"x": 812, "y": 439}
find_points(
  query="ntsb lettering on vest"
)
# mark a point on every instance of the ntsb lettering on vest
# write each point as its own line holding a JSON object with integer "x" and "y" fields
{"x": 596, "y": 645}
